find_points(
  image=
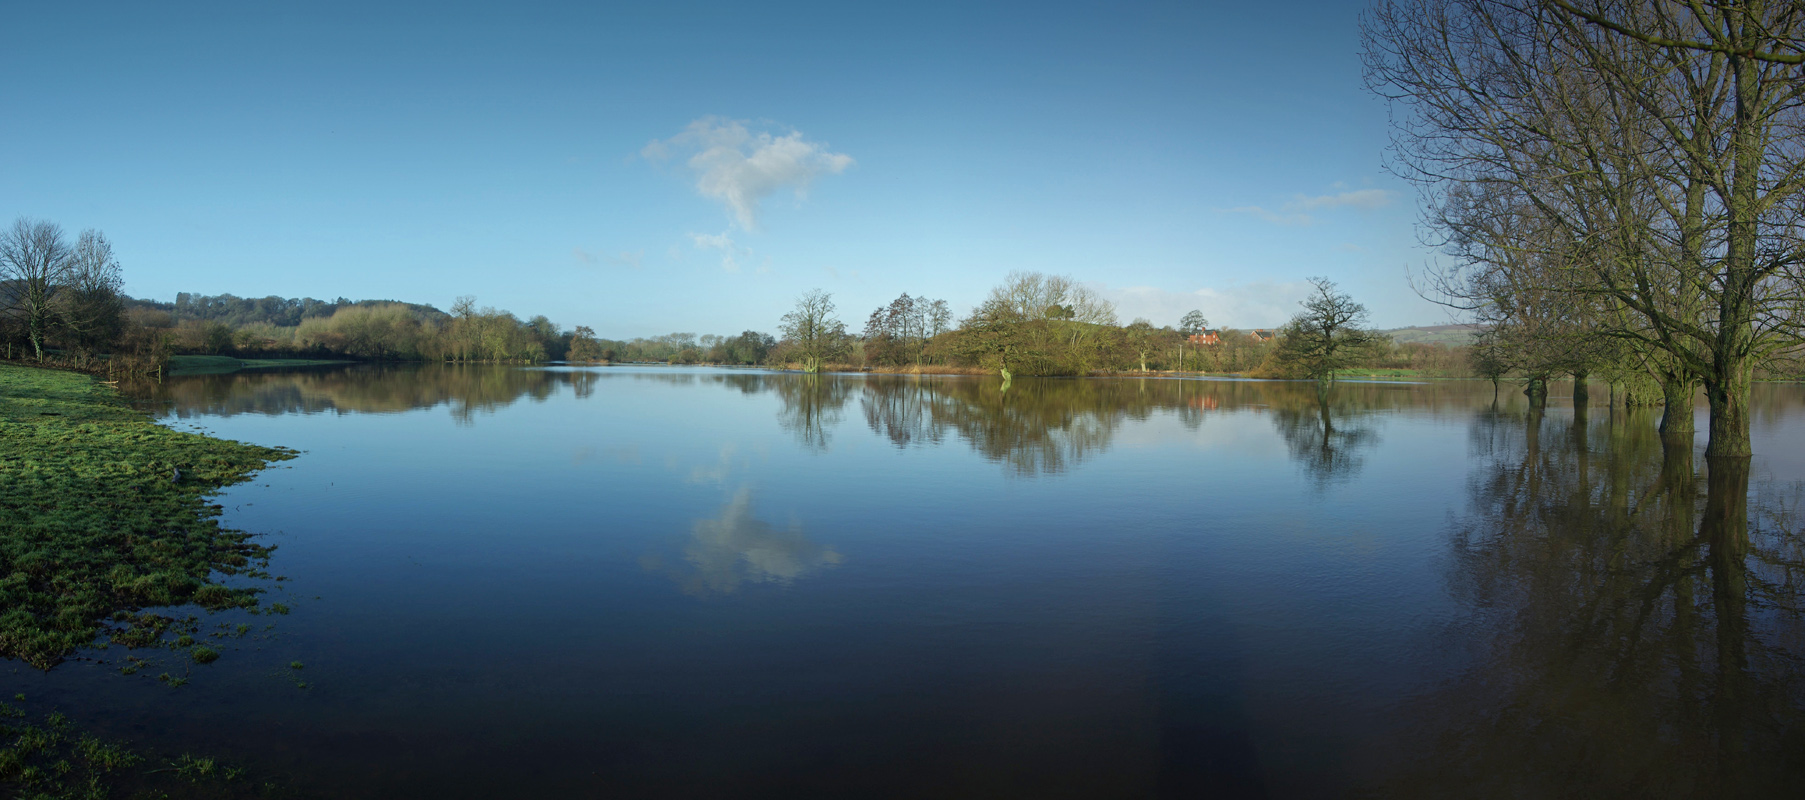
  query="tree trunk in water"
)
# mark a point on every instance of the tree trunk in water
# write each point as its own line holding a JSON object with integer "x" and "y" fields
{"x": 1728, "y": 395}
{"x": 1537, "y": 392}
{"x": 1676, "y": 417}
{"x": 1581, "y": 395}
{"x": 1727, "y": 388}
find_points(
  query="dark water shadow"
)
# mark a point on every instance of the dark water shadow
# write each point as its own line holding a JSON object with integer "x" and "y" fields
{"x": 1632, "y": 628}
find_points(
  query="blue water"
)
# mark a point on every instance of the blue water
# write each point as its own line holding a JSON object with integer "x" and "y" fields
{"x": 710, "y": 583}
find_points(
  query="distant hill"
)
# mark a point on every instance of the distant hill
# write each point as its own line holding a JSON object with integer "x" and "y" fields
{"x": 282, "y": 312}
{"x": 1451, "y": 335}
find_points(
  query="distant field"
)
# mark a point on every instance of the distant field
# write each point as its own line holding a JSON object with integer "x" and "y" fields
{"x": 219, "y": 365}
{"x": 1434, "y": 334}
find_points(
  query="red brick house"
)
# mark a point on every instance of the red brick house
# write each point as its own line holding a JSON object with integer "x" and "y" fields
{"x": 1206, "y": 337}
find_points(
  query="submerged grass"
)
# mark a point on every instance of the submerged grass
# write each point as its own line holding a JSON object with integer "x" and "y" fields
{"x": 104, "y": 513}
{"x": 51, "y": 760}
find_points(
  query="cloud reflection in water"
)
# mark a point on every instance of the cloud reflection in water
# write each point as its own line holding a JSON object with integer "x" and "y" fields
{"x": 737, "y": 548}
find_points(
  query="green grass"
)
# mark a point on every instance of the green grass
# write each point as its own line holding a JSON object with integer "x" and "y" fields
{"x": 94, "y": 531}
{"x": 220, "y": 365}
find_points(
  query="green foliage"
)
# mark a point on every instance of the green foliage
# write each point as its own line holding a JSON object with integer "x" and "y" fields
{"x": 94, "y": 526}
{"x": 1326, "y": 337}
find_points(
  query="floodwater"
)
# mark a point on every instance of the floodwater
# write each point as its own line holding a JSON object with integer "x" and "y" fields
{"x": 660, "y": 582}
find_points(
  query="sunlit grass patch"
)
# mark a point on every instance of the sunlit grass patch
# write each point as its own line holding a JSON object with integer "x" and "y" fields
{"x": 104, "y": 513}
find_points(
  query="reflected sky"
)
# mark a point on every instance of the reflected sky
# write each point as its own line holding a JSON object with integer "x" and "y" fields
{"x": 690, "y": 579}
{"x": 735, "y": 547}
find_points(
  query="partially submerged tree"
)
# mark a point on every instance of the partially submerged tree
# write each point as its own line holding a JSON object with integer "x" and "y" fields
{"x": 1327, "y": 336}
{"x": 1662, "y": 138}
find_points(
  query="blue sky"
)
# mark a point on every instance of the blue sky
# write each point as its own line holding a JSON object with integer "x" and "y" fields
{"x": 696, "y": 166}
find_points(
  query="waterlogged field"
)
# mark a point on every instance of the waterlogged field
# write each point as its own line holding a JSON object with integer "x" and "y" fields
{"x": 705, "y": 583}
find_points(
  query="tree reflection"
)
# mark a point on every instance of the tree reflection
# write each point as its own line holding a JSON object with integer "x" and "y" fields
{"x": 1327, "y": 451}
{"x": 812, "y": 407}
{"x": 736, "y": 548}
{"x": 1048, "y": 425}
{"x": 467, "y": 389}
{"x": 1627, "y": 644}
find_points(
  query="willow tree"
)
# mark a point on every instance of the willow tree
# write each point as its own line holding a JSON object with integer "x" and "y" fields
{"x": 1662, "y": 137}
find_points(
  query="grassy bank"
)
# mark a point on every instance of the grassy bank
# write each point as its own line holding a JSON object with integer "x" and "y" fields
{"x": 219, "y": 365}
{"x": 104, "y": 517}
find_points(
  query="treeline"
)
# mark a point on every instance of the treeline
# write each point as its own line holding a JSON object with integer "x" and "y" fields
{"x": 748, "y": 348}
{"x": 60, "y": 303}
{"x": 377, "y": 331}
{"x": 1037, "y": 324}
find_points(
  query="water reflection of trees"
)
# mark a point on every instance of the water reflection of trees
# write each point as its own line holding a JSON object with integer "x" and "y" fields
{"x": 1049, "y": 425}
{"x": 468, "y": 389}
{"x": 1631, "y": 638}
{"x": 1035, "y": 426}
{"x": 736, "y": 548}
{"x": 1328, "y": 434}
{"x": 813, "y": 405}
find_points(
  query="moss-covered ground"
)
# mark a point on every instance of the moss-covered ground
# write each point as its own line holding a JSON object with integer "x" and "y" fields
{"x": 104, "y": 518}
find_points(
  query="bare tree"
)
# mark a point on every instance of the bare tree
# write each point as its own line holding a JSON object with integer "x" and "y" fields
{"x": 813, "y": 332}
{"x": 92, "y": 313}
{"x": 1035, "y": 295}
{"x": 37, "y": 269}
{"x": 1663, "y": 139}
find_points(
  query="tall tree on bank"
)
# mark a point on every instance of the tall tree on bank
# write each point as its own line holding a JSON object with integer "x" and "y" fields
{"x": 35, "y": 265}
{"x": 1192, "y": 323}
{"x": 812, "y": 331}
{"x": 899, "y": 332}
{"x": 1665, "y": 138}
{"x": 55, "y": 290}
{"x": 1327, "y": 336}
{"x": 92, "y": 311}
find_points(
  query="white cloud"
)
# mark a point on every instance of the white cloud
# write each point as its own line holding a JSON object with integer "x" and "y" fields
{"x": 731, "y": 252}
{"x": 1296, "y": 211}
{"x": 1261, "y": 304}
{"x": 740, "y": 168}
{"x": 1365, "y": 199}
{"x": 1273, "y": 217}
{"x": 628, "y": 259}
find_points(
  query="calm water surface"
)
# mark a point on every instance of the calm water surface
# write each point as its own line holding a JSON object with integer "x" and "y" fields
{"x": 709, "y": 583}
